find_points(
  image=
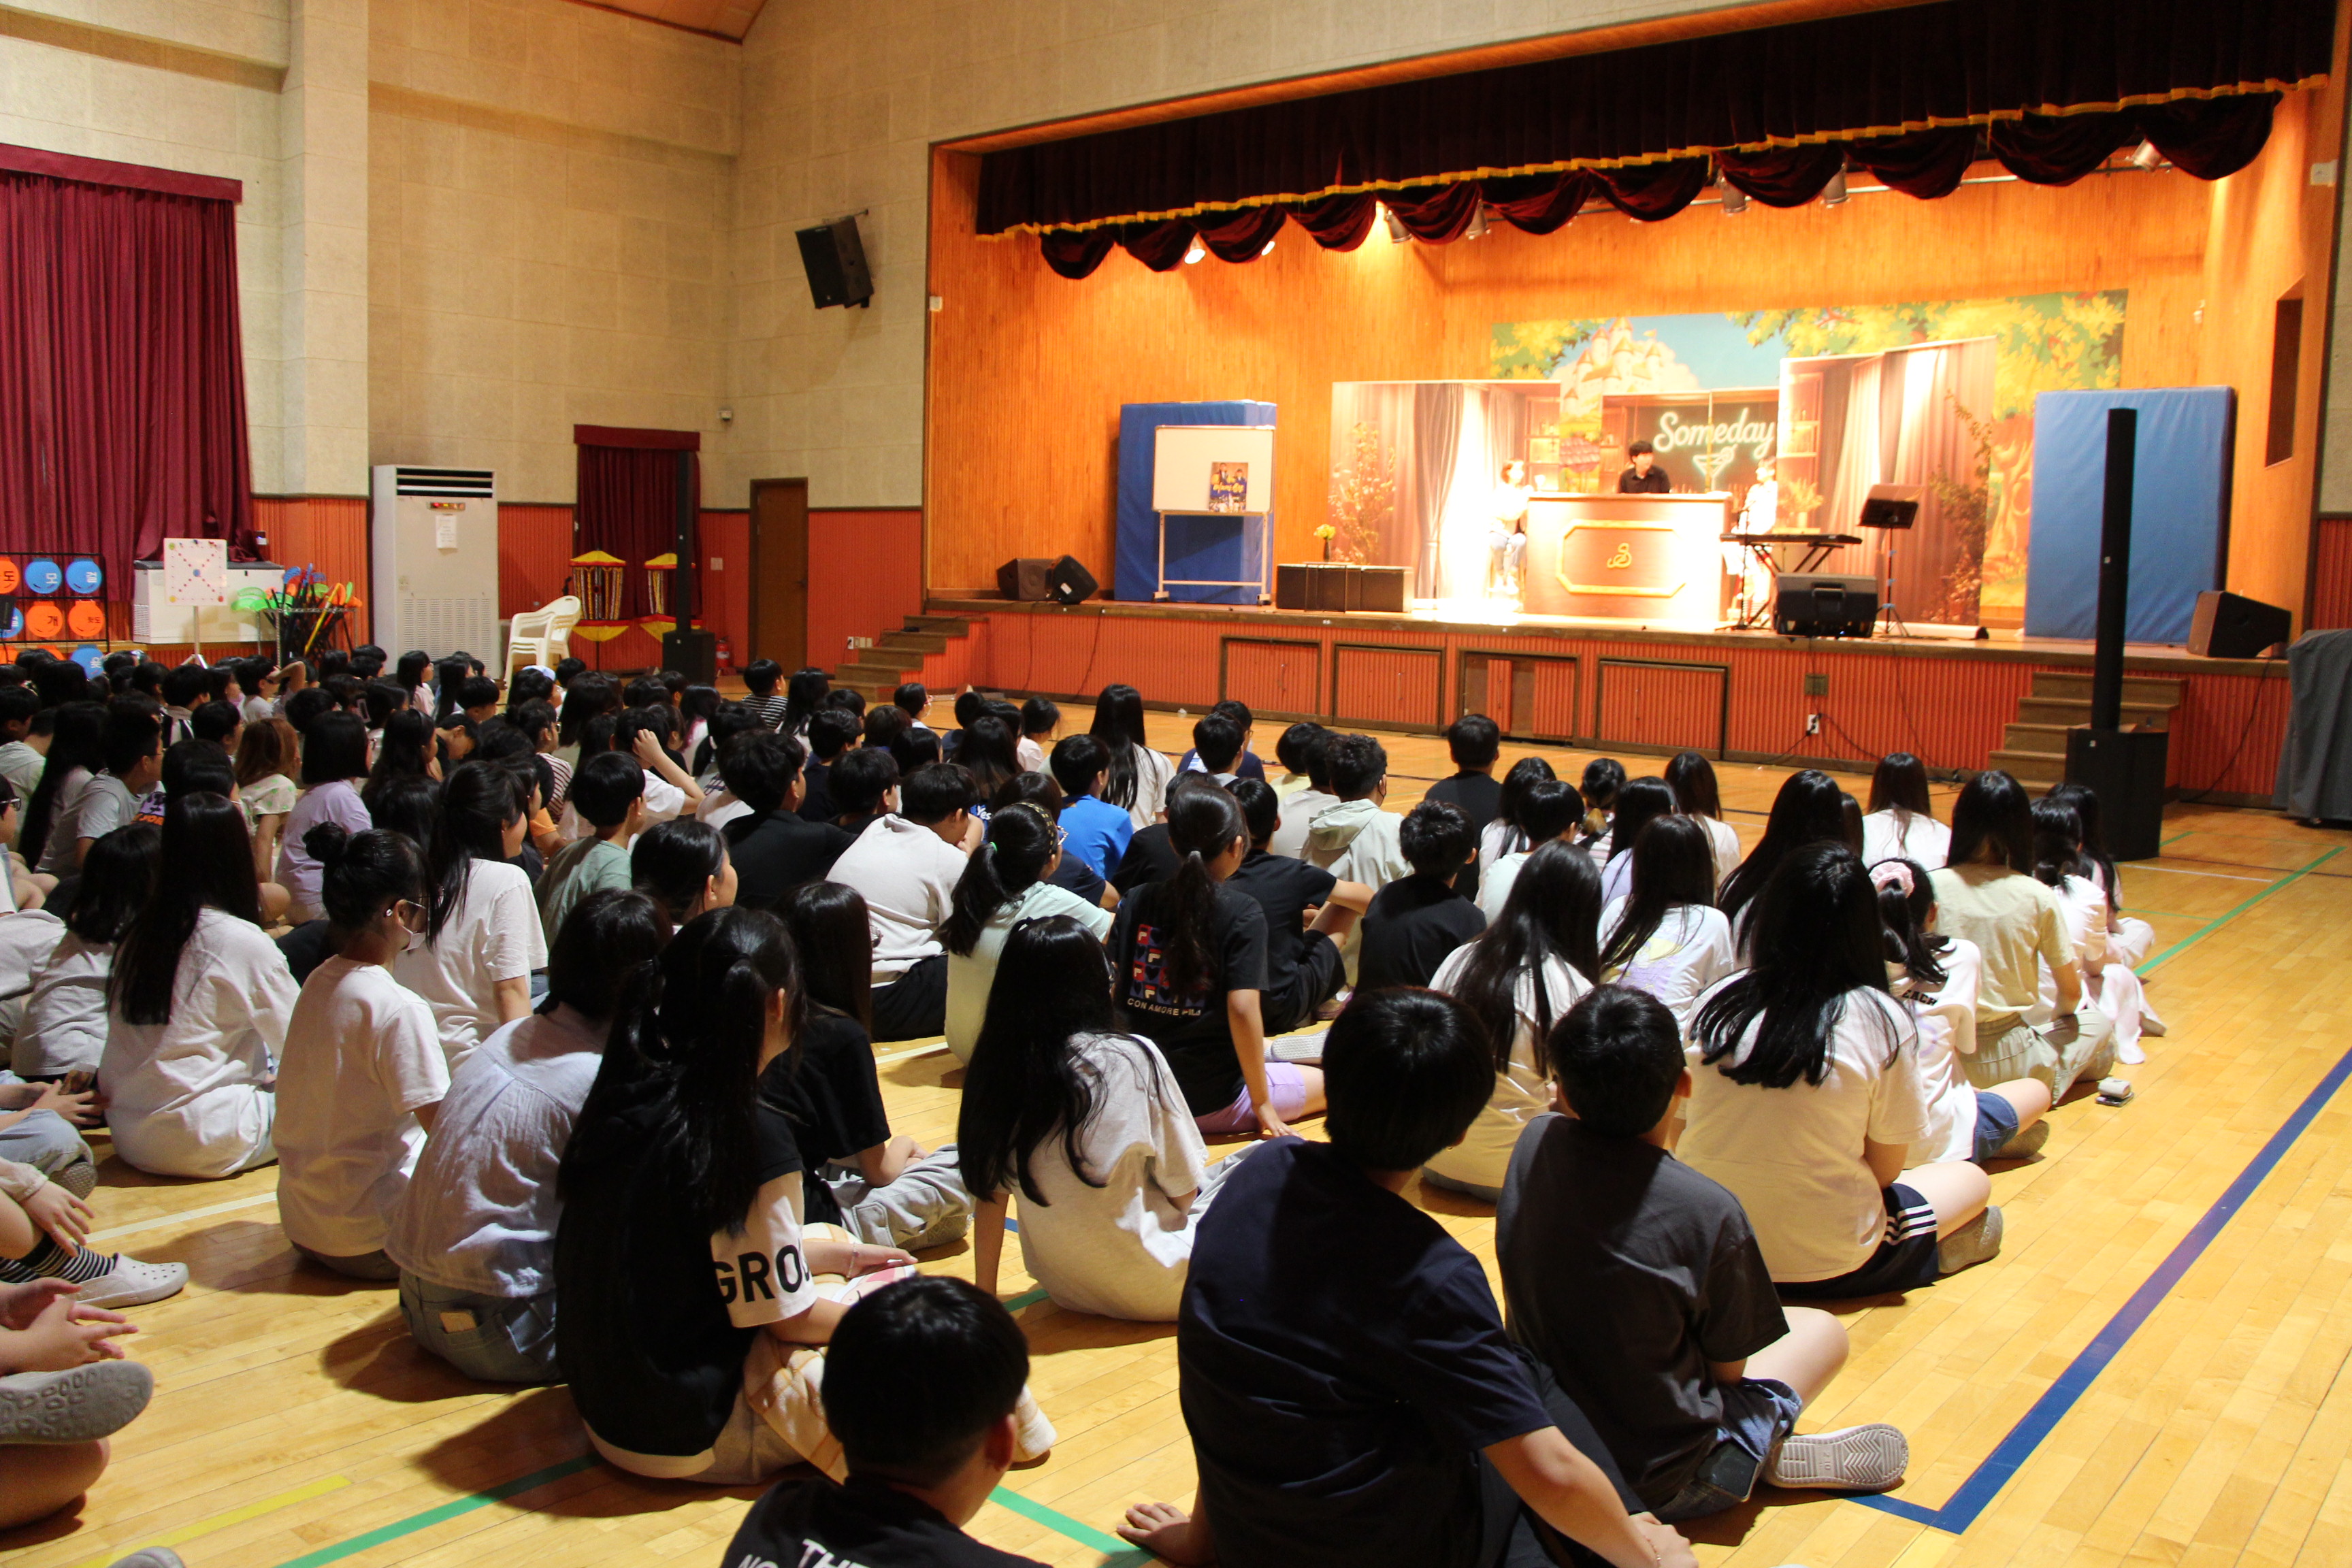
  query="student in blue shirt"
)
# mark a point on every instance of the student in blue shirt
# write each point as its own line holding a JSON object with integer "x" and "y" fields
{"x": 1096, "y": 831}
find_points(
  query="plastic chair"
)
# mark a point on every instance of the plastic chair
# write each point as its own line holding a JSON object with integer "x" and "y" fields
{"x": 541, "y": 636}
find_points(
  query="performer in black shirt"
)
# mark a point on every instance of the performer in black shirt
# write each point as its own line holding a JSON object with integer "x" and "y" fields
{"x": 1645, "y": 477}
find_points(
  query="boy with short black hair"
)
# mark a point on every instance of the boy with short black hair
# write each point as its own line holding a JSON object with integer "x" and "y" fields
{"x": 1306, "y": 750}
{"x": 1358, "y": 840}
{"x": 906, "y": 867}
{"x": 183, "y": 687}
{"x": 1039, "y": 719}
{"x": 913, "y": 699}
{"x": 1303, "y": 969}
{"x": 773, "y": 849}
{"x": 766, "y": 703}
{"x": 20, "y": 762}
{"x": 865, "y": 784}
{"x": 217, "y": 721}
{"x": 921, "y": 1382}
{"x": 1416, "y": 921}
{"x": 131, "y": 744}
{"x": 477, "y": 696}
{"x": 1639, "y": 1283}
{"x": 1476, "y": 742}
{"x": 1350, "y": 1390}
{"x": 608, "y": 792}
{"x": 1248, "y": 765}
{"x": 1093, "y": 829}
{"x": 831, "y": 731}
{"x": 849, "y": 700}
{"x": 1216, "y": 747}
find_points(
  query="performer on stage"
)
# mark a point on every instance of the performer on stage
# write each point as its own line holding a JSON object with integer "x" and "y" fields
{"x": 1645, "y": 477}
{"x": 1506, "y": 534}
{"x": 1763, "y": 501}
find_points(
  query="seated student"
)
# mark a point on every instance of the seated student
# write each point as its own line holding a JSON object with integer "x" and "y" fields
{"x": 683, "y": 866}
{"x": 1070, "y": 873}
{"x": 473, "y": 1233}
{"x": 64, "y": 1029}
{"x": 1637, "y": 1282}
{"x": 906, "y": 867}
{"x": 1039, "y": 719}
{"x": 774, "y": 848}
{"x": 1350, "y": 1391}
{"x": 911, "y": 749}
{"x": 477, "y": 698}
{"x": 334, "y": 763}
{"x": 269, "y": 754}
{"x": 1094, "y": 830}
{"x": 914, "y": 699}
{"x": 1665, "y": 936}
{"x": 1522, "y": 973}
{"x": 1504, "y": 835}
{"x": 679, "y": 1261}
{"x": 1136, "y": 780}
{"x": 1188, "y": 961}
{"x": 362, "y": 1073}
{"x": 481, "y": 938}
{"x": 1216, "y": 749}
{"x": 761, "y": 679}
{"x": 985, "y": 749}
{"x": 1475, "y": 742}
{"x": 20, "y": 762}
{"x": 1308, "y": 912}
{"x": 1806, "y": 810}
{"x": 183, "y": 687}
{"x": 1692, "y": 778}
{"x": 1640, "y": 802}
{"x": 197, "y": 1005}
{"x": 608, "y": 792}
{"x": 1006, "y": 881}
{"x": 1290, "y": 750}
{"x": 1414, "y": 923}
{"x": 2060, "y": 865}
{"x": 1545, "y": 810}
{"x": 1939, "y": 976}
{"x": 924, "y": 1390}
{"x": 829, "y": 733}
{"x": 1807, "y": 1098}
{"x": 65, "y": 1388}
{"x": 1151, "y": 856}
{"x": 880, "y": 1187}
{"x": 1603, "y": 777}
{"x": 1356, "y": 840}
{"x": 134, "y": 750}
{"x": 1302, "y": 806}
{"x": 1248, "y": 765}
{"x": 1901, "y": 824}
{"x": 719, "y": 806}
{"x": 645, "y": 735}
{"x": 969, "y": 706}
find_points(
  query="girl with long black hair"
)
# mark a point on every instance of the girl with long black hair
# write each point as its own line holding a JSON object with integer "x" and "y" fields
{"x": 1692, "y": 778}
{"x": 411, "y": 673}
{"x": 1988, "y": 895}
{"x": 1189, "y": 955}
{"x": 1901, "y": 822}
{"x": 480, "y": 938}
{"x": 989, "y": 749}
{"x": 1005, "y": 882}
{"x": 1665, "y": 936}
{"x": 1137, "y": 781}
{"x": 335, "y": 765}
{"x": 65, "y": 1014}
{"x": 683, "y": 866}
{"x": 1519, "y": 977}
{"x": 77, "y": 754}
{"x": 2061, "y": 865}
{"x": 1640, "y": 802}
{"x": 1505, "y": 834}
{"x": 1809, "y": 809}
{"x": 1086, "y": 1123}
{"x": 2129, "y": 938}
{"x": 198, "y": 1005}
{"x": 1807, "y": 1098}
{"x": 407, "y": 749}
{"x": 804, "y": 693}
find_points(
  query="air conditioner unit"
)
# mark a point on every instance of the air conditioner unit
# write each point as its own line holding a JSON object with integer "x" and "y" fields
{"x": 436, "y": 537}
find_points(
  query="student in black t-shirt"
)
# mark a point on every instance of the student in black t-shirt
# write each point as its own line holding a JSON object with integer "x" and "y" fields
{"x": 1639, "y": 1283}
{"x": 831, "y": 731}
{"x": 774, "y": 849}
{"x": 1188, "y": 959}
{"x": 1350, "y": 1391}
{"x": 680, "y": 1245}
{"x": 883, "y": 1187}
{"x": 1303, "y": 968}
{"x": 1151, "y": 856}
{"x": 921, "y": 1387}
{"x": 1476, "y": 742}
{"x": 1414, "y": 921}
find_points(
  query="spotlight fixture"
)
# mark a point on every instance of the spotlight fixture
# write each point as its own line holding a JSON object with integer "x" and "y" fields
{"x": 1194, "y": 252}
{"x": 1398, "y": 233}
{"x": 1834, "y": 193}
{"x": 1477, "y": 229}
{"x": 1269, "y": 248}
{"x": 2145, "y": 156}
{"x": 1735, "y": 200}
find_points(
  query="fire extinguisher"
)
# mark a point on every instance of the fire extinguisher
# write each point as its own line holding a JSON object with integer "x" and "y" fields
{"x": 726, "y": 658}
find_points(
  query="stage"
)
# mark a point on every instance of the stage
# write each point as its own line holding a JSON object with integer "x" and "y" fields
{"x": 1741, "y": 696}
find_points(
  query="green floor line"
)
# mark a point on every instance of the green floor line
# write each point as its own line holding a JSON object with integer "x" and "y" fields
{"x": 1026, "y": 1298}
{"x": 2176, "y": 838}
{"x": 1084, "y": 1534}
{"x": 398, "y": 1528}
{"x": 2201, "y": 932}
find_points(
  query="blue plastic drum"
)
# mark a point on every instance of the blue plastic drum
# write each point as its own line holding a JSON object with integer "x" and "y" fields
{"x": 43, "y": 576}
{"x": 85, "y": 577}
{"x": 14, "y": 622}
{"x": 93, "y": 661}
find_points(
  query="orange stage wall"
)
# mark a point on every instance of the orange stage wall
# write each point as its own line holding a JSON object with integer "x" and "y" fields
{"x": 866, "y": 576}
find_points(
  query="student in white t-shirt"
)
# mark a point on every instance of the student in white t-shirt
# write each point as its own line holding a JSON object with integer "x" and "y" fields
{"x": 482, "y": 940}
{"x": 1138, "y": 776}
{"x": 1004, "y": 884}
{"x": 906, "y": 867}
{"x": 1546, "y": 811}
{"x": 1640, "y": 802}
{"x": 2060, "y": 865}
{"x": 1518, "y": 978}
{"x": 364, "y": 1073}
{"x": 1901, "y": 824}
{"x": 1086, "y": 1123}
{"x": 1692, "y": 778}
{"x": 65, "y": 1012}
{"x": 133, "y": 749}
{"x": 1665, "y": 936}
{"x": 1504, "y": 835}
{"x": 197, "y": 1006}
{"x": 1806, "y": 1100}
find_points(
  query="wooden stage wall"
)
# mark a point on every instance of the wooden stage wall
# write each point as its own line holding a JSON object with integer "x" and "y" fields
{"x": 1028, "y": 369}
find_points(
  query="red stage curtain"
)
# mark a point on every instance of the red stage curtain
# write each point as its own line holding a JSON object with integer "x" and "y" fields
{"x": 2210, "y": 140}
{"x": 1879, "y": 72}
{"x": 121, "y": 372}
{"x": 1927, "y": 164}
{"x": 1336, "y": 222}
{"x": 1438, "y": 214}
{"x": 1243, "y": 236}
{"x": 1077, "y": 252}
{"x": 1783, "y": 176}
{"x": 1540, "y": 203}
{"x": 628, "y": 506}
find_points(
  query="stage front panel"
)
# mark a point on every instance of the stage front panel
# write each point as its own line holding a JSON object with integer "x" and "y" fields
{"x": 1381, "y": 685}
{"x": 1273, "y": 677}
{"x": 1654, "y": 559}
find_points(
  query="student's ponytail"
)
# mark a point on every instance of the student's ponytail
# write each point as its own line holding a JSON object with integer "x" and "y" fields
{"x": 1021, "y": 842}
{"x": 1900, "y": 884}
{"x": 1202, "y": 825}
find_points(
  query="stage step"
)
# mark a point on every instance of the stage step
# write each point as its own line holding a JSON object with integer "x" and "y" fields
{"x": 2063, "y": 712}
{"x": 897, "y": 657}
{"x": 2031, "y": 767}
{"x": 2034, "y": 750}
{"x": 2074, "y": 686}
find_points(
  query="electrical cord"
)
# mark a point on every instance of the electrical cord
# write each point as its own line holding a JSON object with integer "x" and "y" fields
{"x": 2253, "y": 710}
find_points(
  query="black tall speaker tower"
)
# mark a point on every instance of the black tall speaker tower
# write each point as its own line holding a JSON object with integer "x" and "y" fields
{"x": 2124, "y": 768}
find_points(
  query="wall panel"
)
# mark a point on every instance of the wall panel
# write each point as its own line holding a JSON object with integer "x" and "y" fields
{"x": 1276, "y": 678}
{"x": 1661, "y": 704}
{"x": 330, "y": 533}
{"x": 865, "y": 577}
{"x": 1388, "y": 685}
{"x": 2331, "y": 574}
{"x": 535, "y": 551}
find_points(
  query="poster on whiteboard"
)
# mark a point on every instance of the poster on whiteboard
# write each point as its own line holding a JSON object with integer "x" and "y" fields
{"x": 1221, "y": 469}
{"x": 195, "y": 571}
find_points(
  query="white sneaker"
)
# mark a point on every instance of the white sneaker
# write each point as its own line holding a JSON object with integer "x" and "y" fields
{"x": 130, "y": 1283}
{"x": 1869, "y": 1458}
{"x": 95, "y": 1400}
{"x": 1979, "y": 1241}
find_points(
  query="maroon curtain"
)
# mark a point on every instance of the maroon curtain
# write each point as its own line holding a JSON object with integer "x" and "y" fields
{"x": 121, "y": 374}
{"x": 627, "y": 507}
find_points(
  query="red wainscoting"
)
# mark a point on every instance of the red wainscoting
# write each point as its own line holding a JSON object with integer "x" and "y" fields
{"x": 1949, "y": 707}
{"x": 330, "y": 533}
{"x": 726, "y": 605}
{"x": 2331, "y": 574}
{"x": 534, "y": 555}
{"x": 866, "y": 576}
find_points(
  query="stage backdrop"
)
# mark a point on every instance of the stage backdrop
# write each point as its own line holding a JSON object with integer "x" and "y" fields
{"x": 1224, "y": 549}
{"x": 1934, "y": 394}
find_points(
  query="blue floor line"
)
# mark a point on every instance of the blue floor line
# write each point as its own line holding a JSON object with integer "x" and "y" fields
{"x": 1984, "y": 1482}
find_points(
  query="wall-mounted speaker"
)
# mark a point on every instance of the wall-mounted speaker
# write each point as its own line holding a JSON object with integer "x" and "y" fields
{"x": 835, "y": 260}
{"x": 1068, "y": 582}
{"x": 2230, "y": 625}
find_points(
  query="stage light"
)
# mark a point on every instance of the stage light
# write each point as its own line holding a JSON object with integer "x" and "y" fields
{"x": 1398, "y": 233}
{"x": 1194, "y": 254}
{"x": 1834, "y": 193}
{"x": 1477, "y": 229}
{"x": 1269, "y": 248}
{"x": 2145, "y": 156}
{"x": 1735, "y": 200}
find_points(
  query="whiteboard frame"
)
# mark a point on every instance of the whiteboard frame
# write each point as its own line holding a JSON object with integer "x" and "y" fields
{"x": 1264, "y": 581}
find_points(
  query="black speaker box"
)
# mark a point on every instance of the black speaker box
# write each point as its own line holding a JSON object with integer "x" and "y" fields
{"x": 1024, "y": 577}
{"x": 835, "y": 260}
{"x": 1291, "y": 585}
{"x": 2124, "y": 768}
{"x": 1067, "y": 582}
{"x": 693, "y": 652}
{"x": 1810, "y": 605}
{"x": 1377, "y": 588}
{"x": 2230, "y": 625}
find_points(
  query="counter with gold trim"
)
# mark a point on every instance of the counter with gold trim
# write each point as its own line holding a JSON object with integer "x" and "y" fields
{"x": 1656, "y": 559}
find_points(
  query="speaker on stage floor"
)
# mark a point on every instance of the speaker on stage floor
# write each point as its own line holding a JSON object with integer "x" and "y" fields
{"x": 1024, "y": 577}
{"x": 2230, "y": 625}
{"x": 1811, "y": 605}
{"x": 1068, "y": 582}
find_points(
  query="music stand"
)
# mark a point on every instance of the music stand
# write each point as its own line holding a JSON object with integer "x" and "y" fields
{"x": 1890, "y": 508}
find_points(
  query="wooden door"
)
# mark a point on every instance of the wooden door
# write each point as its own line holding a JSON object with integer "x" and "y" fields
{"x": 779, "y": 628}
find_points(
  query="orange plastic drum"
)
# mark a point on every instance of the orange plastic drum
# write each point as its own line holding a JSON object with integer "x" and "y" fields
{"x": 10, "y": 576}
{"x": 43, "y": 620}
{"x": 85, "y": 618}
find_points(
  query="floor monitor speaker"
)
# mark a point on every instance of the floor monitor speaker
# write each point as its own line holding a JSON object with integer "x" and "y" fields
{"x": 2230, "y": 626}
{"x": 1024, "y": 577}
{"x": 1067, "y": 582}
{"x": 1806, "y": 604}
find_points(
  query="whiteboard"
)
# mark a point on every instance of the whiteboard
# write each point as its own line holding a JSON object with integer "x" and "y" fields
{"x": 1187, "y": 458}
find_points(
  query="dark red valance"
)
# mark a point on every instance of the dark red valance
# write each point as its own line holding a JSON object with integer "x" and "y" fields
{"x": 2025, "y": 67}
{"x": 128, "y": 176}
{"x": 624, "y": 436}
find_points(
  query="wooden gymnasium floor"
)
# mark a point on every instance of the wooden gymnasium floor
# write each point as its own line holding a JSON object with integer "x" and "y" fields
{"x": 2149, "y": 1373}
